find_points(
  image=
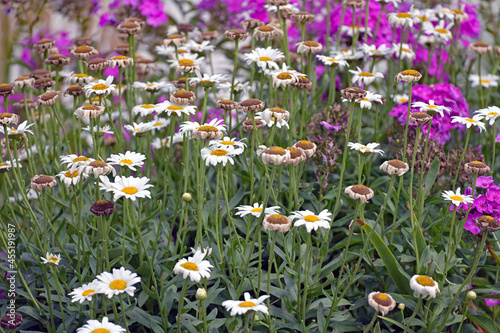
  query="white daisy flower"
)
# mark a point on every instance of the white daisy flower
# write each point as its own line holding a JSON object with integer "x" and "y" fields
{"x": 441, "y": 31}
{"x": 71, "y": 177}
{"x": 270, "y": 121}
{"x": 6, "y": 165}
{"x": 284, "y": 76}
{"x": 491, "y": 113}
{"x": 52, "y": 259}
{"x": 468, "y": 122}
{"x": 177, "y": 109}
{"x": 187, "y": 60}
{"x": 149, "y": 86}
{"x": 146, "y": 109}
{"x": 249, "y": 304}
{"x": 457, "y": 198}
{"x": 431, "y": 108}
{"x": 426, "y": 40}
{"x": 206, "y": 251}
{"x": 400, "y": 99}
{"x": 292, "y": 7}
{"x": 200, "y": 47}
{"x": 21, "y": 129}
{"x": 350, "y": 30}
{"x": 215, "y": 155}
{"x": 95, "y": 326}
{"x": 265, "y": 58}
{"x": 194, "y": 267}
{"x": 159, "y": 123}
{"x": 120, "y": 281}
{"x": 74, "y": 161}
{"x": 334, "y": 60}
{"x": 407, "y": 52}
{"x": 206, "y": 80}
{"x": 158, "y": 143}
{"x": 312, "y": 220}
{"x": 169, "y": 51}
{"x": 100, "y": 87}
{"x": 366, "y": 102}
{"x": 238, "y": 87}
{"x": 366, "y": 149}
{"x": 85, "y": 292}
{"x": 97, "y": 168}
{"x": 426, "y": 15}
{"x": 402, "y": 19}
{"x": 79, "y": 78}
{"x": 128, "y": 187}
{"x": 424, "y": 285}
{"x": 256, "y": 210}
{"x": 228, "y": 143}
{"x": 373, "y": 51}
{"x": 364, "y": 77}
{"x": 130, "y": 160}
{"x": 486, "y": 81}
{"x": 106, "y": 129}
{"x": 346, "y": 53}
{"x": 139, "y": 129}
{"x": 192, "y": 126}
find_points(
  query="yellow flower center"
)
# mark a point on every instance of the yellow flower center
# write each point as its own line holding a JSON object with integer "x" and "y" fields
{"x": 457, "y": 11}
{"x": 186, "y": 62}
{"x": 485, "y": 81}
{"x": 425, "y": 281}
{"x": 265, "y": 28}
{"x": 382, "y": 296}
{"x": 191, "y": 266}
{"x": 332, "y": 59}
{"x": 470, "y": 120}
{"x": 311, "y": 43}
{"x": 83, "y": 48}
{"x": 207, "y": 128}
{"x": 492, "y": 113}
{"x": 276, "y": 150}
{"x": 403, "y": 15}
{"x": 119, "y": 57}
{"x": 227, "y": 143}
{"x": 126, "y": 161}
{"x": 118, "y": 285}
{"x": 405, "y": 50}
{"x": 81, "y": 75}
{"x": 403, "y": 100}
{"x": 70, "y": 174}
{"x": 100, "y": 86}
{"x": 3, "y": 164}
{"x": 175, "y": 107}
{"x": 247, "y": 304}
{"x": 101, "y": 330}
{"x": 81, "y": 159}
{"x": 256, "y": 210}
{"x": 129, "y": 190}
{"x": 219, "y": 152}
{"x": 54, "y": 260}
{"x": 431, "y": 106}
{"x": 311, "y": 218}
{"x": 157, "y": 124}
{"x": 411, "y": 72}
{"x": 265, "y": 59}
{"x": 174, "y": 36}
{"x": 442, "y": 31}
{"x": 365, "y": 74}
{"x": 148, "y": 106}
{"x": 456, "y": 198}
{"x": 88, "y": 292}
{"x": 284, "y": 76}
{"x": 150, "y": 84}
{"x": 13, "y": 130}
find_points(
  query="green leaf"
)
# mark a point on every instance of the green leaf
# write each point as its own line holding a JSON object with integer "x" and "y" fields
{"x": 431, "y": 175}
{"x": 402, "y": 280}
{"x": 485, "y": 323}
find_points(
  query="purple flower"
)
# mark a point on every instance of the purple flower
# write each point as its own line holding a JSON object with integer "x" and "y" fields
{"x": 492, "y": 301}
{"x": 497, "y": 139}
{"x": 484, "y": 182}
{"x": 329, "y": 127}
{"x": 481, "y": 204}
{"x": 493, "y": 193}
{"x": 470, "y": 223}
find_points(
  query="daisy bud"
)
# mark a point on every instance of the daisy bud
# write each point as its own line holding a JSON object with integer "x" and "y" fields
{"x": 83, "y": 52}
{"x": 201, "y": 294}
{"x": 8, "y": 118}
{"x": 279, "y": 2}
{"x": 355, "y": 3}
{"x": 43, "y": 83}
{"x": 97, "y": 64}
{"x": 277, "y": 222}
{"x": 57, "y": 59}
{"x": 187, "y": 197}
{"x": 129, "y": 28}
{"x": 471, "y": 295}
{"x": 251, "y": 104}
{"x": 302, "y": 17}
{"x": 84, "y": 41}
{"x": 401, "y": 306}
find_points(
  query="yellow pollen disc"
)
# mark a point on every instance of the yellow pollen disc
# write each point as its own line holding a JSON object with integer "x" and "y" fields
{"x": 100, "y": 87}
{"x": 119, "y": 58}
{"x": 311, "y": 218}
{"x": 354, "y": 27}
{"x": 485, "y": 81}
{"x": 54, "y": 260}
{"x": 277, "y": 150}
{"x": 81, "y": 159}
{"x": 70, "y": 174}
{"x": 129, "y": 190}
{"x": 88, "y": 292}
{"x": 227, "y": 143}
{"x": 157, "y": 124}
{"x": 207, "y": 128}
{"x": 81, "y": 75}
{"x": 332, "y": 59}
{"x": 137, "y": 129}
{"x": 148, "y": 106}
{"x": 265, "y": 28}
{"x": 311, "y": 44}
{"x": 118, "y": 285}
{"x": 265, "y": 59}
{"x": 425, "y": 281}
{"x": 442, "y": 31}
{"x": 456, "y": 198}
{"x": 284, "y": 76}
{"x": 405, "y": 50}
{"x": 365, "y": 99}
{"x": 126, "y": 161}
{"x": 174, "y": 107}
{"x": 410, "y": 72}
{"x": 403, "y": 15}
{"x": 365, "y": 74}
{"x": 364, "y": 147}
{"x": 457, "y": 11}
{"x": 470, "y": 120}
{"x": 256, "y": 210}
{"x": 403, "y": 100}
{"x": 98, "y": 164}
{"x": 423, "y": 18}
{"x": 186, "y": 62}
{"x": 101, "y": 330}
{"x": 57, "y": 55}
{"x": 492, "y": 113}
{"x": 13, "y": 130}
{"x": 382, "y": 296}
{"x": 150, "y": 84}
{"x": 247, "y": 304}
{"x": 174, "y": 36}
{"x": 82, "y": 48}
{"x": 191, "y": 266}
{"x": 431, "y": 106}
{"x": 476, "y": 163}
{"x": 219, "y": 152}
{"x": 3, "y": 85}
{"x": 3, "y": 164}
{"x": 277, "y": 110}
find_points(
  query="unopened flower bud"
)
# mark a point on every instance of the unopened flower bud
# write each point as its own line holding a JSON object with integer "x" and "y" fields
{"x": 187, "y": 197}
{"x": 471, "y": 295}
{"x": 201, "y": 294}
{"x": 401, "y": 306}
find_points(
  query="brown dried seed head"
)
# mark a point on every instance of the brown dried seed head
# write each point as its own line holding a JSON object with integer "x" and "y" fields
{"x": 185, "y": 27}
{"x": 361, "y": 189}
{"x": 275, "y": 151}
{"x": 277, "y": 219}
{"x": 353, "y": 93}
{"x": 304, "y": 144}
{"x": 487, "y": 223}
{"x": 421, "y": 118}
{"x": 236, "y": 34}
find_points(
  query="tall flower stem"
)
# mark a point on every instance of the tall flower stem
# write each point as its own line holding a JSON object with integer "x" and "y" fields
{"x": 339, "y": 31}
{"x": 417, "y": 308}
{"x": 421, "y": 177}
{"x": 414, "y": 224}
{"x": 235, "y": 69}
{"x": 401, "y": 49}
{"x": 403, "y": 154}
{"x": 481, "y": 88}
{"x": 493, "y": 148}
{"x": 181, "y": 304}
{"x": 333, "y": 90}
{"x": 218, "y": 230}
{"x": 367, "y": 9}
{"x": 462, "y": 157}
{"x": 378, "y": 21}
